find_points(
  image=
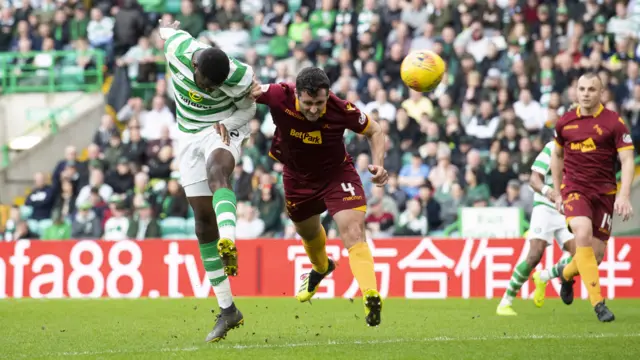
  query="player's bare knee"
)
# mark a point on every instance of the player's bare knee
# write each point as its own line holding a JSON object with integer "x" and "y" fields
{"x": 536, "y": 249}
{"x": 217, "y": 178}
{"x": 352, "y": 234}
{"x": 307, "y": 231}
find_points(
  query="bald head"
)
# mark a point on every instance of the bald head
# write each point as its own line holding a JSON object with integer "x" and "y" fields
{"x": 589, "y": 92}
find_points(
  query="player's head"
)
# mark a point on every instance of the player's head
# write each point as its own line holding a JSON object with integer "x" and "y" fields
{"x": 312, "y": 91}
{"x": 589, "y": 90}
{"x": 211, "y": 69}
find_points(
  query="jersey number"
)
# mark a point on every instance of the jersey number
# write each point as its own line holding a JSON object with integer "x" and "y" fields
{"x": 347, "y": 187}
{"x": 606, "y": 222}
{"x": 234, "y": 134}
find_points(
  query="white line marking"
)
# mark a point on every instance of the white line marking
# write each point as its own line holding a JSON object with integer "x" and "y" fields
{"x": 342, "y": 343}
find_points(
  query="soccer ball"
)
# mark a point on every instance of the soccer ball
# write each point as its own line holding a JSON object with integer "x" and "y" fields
{"x": 422, "y": 70}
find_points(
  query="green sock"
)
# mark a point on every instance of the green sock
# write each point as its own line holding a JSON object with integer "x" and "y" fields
{"x": 224, "y": 205}
{"x": 212, "y": 263}
{"x": 554, "y": 272}
{"x": 520, "y": 276}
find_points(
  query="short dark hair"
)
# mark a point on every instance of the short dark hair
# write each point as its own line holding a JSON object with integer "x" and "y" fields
{"x": 312, "y": 79}
{"x": 213, "y": 63}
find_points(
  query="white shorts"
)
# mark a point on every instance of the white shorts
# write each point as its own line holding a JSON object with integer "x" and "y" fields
{"x": 194, "y": 149}
{"x": 546, "y": 224}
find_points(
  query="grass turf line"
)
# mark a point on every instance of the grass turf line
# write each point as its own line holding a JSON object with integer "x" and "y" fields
{"x": 284, "y": 329}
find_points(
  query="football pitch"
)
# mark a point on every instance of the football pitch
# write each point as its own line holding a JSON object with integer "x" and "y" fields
{"x": 281, "y": 328}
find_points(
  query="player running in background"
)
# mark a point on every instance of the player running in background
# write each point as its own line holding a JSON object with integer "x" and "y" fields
{"x": 546, "y": 224}
{"x": 583, "y": 168}
{"x": 319, "y": 175}
{"x": 213, "y": 106}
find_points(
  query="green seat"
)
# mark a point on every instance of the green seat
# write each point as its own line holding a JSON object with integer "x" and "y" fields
{"x": 406, "y": 158}
{"x": 25, "y": 212}
{"x": 43, "y": 225}
{"x": 172, "y": 225}
{"x": 190, "y": 226}
{"x": 34, "y": 226}
{"x": 175, "y": 236}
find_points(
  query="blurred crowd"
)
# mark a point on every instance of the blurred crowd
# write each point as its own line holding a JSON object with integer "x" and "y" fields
{"x": 511, "y": 67}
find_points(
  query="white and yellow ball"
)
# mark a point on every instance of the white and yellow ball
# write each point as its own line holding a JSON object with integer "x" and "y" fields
{"x": 422, "y": 70}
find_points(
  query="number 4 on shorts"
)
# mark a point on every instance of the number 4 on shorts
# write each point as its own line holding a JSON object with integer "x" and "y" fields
{"x": 347, "y": 187}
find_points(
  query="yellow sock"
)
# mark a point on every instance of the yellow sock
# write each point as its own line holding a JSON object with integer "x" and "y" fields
{"x": 571, "y": 269}
{"x": 317, "y": 252}
{"x": 361, "y": 262}
{"x": 588, "y": 268}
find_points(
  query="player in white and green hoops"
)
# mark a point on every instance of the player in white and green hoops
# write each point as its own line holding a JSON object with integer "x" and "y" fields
{"x": 213, "y": 108}
{"x": 546, "y": 224}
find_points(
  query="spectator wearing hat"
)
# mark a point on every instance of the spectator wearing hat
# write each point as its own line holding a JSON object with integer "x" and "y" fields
{"x": 114, "y": 151}
{"x": 143, "y": 225}
{"x": 120, "y": 179}
{"x": 86, "y": 224}
{"x": 58, "y": 230}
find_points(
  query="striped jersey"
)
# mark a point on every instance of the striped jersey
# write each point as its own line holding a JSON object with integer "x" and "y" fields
{"x": 196, "y": 109}
{"x": 542, "y": 165}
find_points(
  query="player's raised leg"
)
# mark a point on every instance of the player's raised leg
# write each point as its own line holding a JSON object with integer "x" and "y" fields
{"x": 521, "y": 275}
{"x": 220, "y": 165}
{"x": 314, "y": 239}
{"x": 229, "y": 316}
{"x": 194, "y": 181}
{"x": 351, "y": 228}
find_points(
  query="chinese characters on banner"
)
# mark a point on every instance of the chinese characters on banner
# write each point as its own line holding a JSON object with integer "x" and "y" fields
{"x": 417, "y": 268}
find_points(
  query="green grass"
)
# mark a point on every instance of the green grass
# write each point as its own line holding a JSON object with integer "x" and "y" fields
{"x": 283, "y": 329}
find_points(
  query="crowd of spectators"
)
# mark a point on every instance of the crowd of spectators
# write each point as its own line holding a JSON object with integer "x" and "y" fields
{"x": 511, "y": 67}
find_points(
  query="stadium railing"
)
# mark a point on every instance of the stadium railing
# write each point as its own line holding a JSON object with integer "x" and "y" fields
{"x": 63, "y": 75}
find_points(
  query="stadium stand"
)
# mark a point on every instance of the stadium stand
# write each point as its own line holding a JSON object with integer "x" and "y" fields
{"x": 471, "y": 142}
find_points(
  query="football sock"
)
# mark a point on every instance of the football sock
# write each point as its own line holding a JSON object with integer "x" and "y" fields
{"x": 361, "y": 262}
{"x": 548, "y": 274}
{"x": 315, "y": 248}
{"x": 215, "y": 273}
{"x": 571, "y": 270}
{"x": 224, "y": 205}
{"x": 588, "y": 268}
{"x": 520, "y": 276}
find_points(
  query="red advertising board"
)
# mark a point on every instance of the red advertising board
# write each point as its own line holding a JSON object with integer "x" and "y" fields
{"x": 421, "y": 268}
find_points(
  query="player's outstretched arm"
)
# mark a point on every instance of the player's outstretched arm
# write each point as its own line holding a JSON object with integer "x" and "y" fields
{"x": 374, "y": 134}
{"x": 557, "y": 166}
